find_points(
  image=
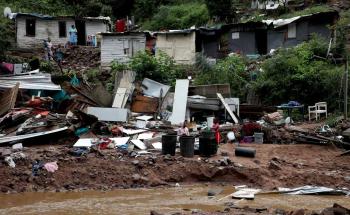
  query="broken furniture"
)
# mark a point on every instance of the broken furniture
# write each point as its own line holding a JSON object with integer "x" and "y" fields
{"x": 318, "y": 109}
{"x": 8, "y": 99}
{"x": 290, "y": 109}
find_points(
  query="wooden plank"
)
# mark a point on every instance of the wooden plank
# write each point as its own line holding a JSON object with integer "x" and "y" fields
{"x": 227, "y": 108}
{"x": 109, "y": 114}
{"x": 119, "y": 98}
{"x": 180, "y": 101}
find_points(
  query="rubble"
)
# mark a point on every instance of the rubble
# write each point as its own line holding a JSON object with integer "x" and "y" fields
{"x": 126, "y": 134}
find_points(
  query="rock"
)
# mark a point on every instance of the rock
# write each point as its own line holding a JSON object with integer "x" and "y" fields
{"x": 259, "y": 210}
{"x": 144, "y": 179}
{"x": 214, "y": 192}
{"x": 336, "y": 209}
{"x": 17, "y": 147}
{"x": 298, "y": 212}
{"x": 280, "y": 212}
{"x": 256, "y": 161}
{"x": 347, "y": 178}
{"x": 136, "y": 162}
{"x": 168, "y": 158}
{"x": 225, "y": 161}
{"x": 346, "y": 132}
{"x": 226, "y": 210}
{"x": 194, "y": 211}
{"x": 27, "y": 173}
{"x": 224, "y": 154}
{"x": 136, "y": 177}
{"x": 155, "y": 213}
{"x": 274, "y": 165}
{"x": 5, "y": 152}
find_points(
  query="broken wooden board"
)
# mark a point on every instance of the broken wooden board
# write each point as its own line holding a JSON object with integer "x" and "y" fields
{"x": 8, "y": 99}
{"x": 180, "y": 102}
{"x": 210, "y": 91}
{"x": 139, "y": 144}
{"x": 28, "y": 136}
{"x": 144, "y": 104}
{"x": 227, "y": 108}
{"x": 120, "y": 98}
{"x": 109, "y": 114}
{"x": 245, "y": 193}
{"x": 153, "y": 88}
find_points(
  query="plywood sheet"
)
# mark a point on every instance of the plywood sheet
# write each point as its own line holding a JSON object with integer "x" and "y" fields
{"x": 180, "y": 102}
{"x": 227, "y": 108}
{"x": 120, "y": 98}
{"x": 109, "y": 114}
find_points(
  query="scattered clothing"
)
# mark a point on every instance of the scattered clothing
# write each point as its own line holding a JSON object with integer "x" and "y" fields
{"x": 183, "y": 131}
{"x": 51, "y": 167}
{"x": 36, "y": 166}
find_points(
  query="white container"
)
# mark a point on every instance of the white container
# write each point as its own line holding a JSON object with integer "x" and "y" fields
{"x": 210, "y": 121}
{"x": 258, "y": 138}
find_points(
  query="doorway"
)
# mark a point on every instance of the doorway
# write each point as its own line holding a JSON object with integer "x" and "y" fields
{"x": 261, "y": 41}
{"x": 80, "y": 25}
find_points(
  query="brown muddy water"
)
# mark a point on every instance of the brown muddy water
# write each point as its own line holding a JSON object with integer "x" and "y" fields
{"x": 142, "y": 201}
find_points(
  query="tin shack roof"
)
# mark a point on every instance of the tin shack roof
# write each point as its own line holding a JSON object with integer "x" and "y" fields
{"x": 48, "y": 17}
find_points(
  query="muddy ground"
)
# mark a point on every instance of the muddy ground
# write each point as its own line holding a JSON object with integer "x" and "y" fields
{"x": 274, "y": 166}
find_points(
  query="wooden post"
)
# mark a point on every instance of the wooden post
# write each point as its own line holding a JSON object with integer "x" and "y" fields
{"x": 346, "y": 89}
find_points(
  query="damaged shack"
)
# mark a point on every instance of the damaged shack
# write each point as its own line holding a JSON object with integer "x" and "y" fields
{"x": 178, "y": 44}
{"x": 260, "y": 37}
{"x": 33, "y": 28}
{"x": 121, "y": 46}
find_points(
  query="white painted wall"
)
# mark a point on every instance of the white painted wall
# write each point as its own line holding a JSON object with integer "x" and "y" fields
{"x": 113, "y": 46}
{"x": 181, "y": 47}
{"x": 95, "y": 26}
{"x": 49, "y": 28}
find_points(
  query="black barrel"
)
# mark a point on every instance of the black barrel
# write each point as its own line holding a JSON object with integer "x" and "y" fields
{"x": 187, "y": 146}
{"x": 207, "y": 146}
{"x": 208, "y": 134}
{"x": 169, "y": 144}
{"x": 245, "y": 152}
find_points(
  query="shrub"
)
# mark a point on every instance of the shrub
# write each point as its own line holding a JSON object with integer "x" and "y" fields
{"x": 230, "y": 70}
{"x": 47, "y": 66}
{"x": 161, "y": 68}
{"x": 295, "y": 74}
{"x": 178, "y": 16}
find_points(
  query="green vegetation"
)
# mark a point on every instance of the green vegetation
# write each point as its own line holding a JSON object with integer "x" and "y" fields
{"x": 307, "y": 11}
{"x": 230, "y": 70}
{"x": 222, "y": 10}
{"x": 343, "y": 30}
{"x": 5, "y": 35}
{"x": 296, "y": 74}
{"x": 160, "y": 68}
{"x": 178, "y": 17}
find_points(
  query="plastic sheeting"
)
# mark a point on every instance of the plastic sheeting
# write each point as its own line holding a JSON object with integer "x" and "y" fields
{"x": 313, "y": 190}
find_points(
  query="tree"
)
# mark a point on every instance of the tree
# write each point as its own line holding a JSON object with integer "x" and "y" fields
{"x": 221, "y": 10}
{"x": 178, "y": 16}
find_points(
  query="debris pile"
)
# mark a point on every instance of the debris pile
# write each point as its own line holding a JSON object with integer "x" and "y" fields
{"x": 81, "y": 58}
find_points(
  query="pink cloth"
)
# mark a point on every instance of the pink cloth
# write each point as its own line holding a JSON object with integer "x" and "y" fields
{"x": 8, "y": 66}
{"x": 51, "y": 167}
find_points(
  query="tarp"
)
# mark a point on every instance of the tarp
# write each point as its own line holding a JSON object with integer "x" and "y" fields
{"x": 313, "y": 190}
{"x": 34, "y": 81}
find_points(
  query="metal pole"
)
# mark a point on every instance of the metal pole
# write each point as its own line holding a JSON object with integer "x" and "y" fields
{"x": 346, "y": 89}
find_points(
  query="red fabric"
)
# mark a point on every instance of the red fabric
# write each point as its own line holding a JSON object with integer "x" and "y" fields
{"x": 8, "y": 66}
{"x": 120, "y": 25}
{"x": 217, "y": 137}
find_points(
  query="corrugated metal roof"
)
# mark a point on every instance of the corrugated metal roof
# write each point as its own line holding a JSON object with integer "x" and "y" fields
{"x": 183, "y": 31}
{"x": 47, "y": 17}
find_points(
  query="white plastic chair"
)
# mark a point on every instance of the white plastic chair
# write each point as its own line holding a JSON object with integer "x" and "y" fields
{"x": 318, "y": 109}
